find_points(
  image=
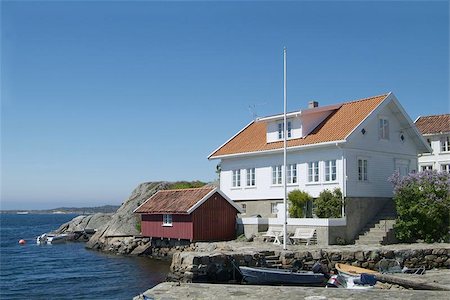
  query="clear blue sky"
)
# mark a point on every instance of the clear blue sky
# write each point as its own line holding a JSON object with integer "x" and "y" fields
{"x": 98, "y": 97}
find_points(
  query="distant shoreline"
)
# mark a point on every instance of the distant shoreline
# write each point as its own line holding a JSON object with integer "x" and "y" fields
{"x": 64, "y": 210}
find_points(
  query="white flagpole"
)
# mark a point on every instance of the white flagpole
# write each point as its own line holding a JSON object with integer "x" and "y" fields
{"x": 284, "y": 151}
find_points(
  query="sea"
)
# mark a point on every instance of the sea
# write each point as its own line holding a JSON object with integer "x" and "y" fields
{"x": 69, "y": 270}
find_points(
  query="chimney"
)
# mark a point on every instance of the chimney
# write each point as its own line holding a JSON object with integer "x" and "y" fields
{"x": 312, "y": 104}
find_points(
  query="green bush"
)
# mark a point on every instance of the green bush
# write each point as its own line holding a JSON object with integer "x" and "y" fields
{"x": 422, "y": 202}
{"x": 186, "y": 185}
{"x": 328, "y": 204}
{"x": 298, "y": 200}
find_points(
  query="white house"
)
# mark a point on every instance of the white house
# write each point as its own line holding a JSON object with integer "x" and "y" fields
{"x": 436, "y": 130}
{"x": 354, "y": 146}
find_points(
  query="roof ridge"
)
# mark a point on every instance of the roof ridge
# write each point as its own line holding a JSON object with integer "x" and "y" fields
{"x": 365, "y": 99}
{"x": 429, "y": 116}
{"x": 188, "y": 189}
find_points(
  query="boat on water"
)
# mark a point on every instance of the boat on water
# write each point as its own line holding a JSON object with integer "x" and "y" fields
{"x": 48, "y": 238}
{"x": 349, "y": 270}
{"x": 271, "y": 276}
{"x": 22, "y": 212}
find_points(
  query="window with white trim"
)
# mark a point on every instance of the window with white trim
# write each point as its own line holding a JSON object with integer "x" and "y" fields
{"x": 292, "y": 173}
{"x": 251, "y": 177}
{"x": 236, "y": 178}
{"x": 273, "y": 208}
{"x": 167, "y": 220}
{"x": 313, "y": 171}
{"x": 445, "y": 144}
{"x": 427, "y": 167}
{"x": 445, "y": 168}
{"x": 362, "y": 170}
{"x": 383, "y": 129}
{"x": 281, "y": 130}
{"x": 276, "y": 175}
{"x": 330, "y": 170}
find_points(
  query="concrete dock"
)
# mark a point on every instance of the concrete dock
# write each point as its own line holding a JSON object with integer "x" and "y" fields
{"x": 173, "y": 290}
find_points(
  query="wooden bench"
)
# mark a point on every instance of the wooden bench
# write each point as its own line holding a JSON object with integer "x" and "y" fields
{"x": 306, "y": 234}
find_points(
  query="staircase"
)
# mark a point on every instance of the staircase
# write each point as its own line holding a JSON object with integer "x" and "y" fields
{"x": 380, "y": 229}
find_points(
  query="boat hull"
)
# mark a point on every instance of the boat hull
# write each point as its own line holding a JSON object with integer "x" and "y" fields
{"x": 268, "y": 276}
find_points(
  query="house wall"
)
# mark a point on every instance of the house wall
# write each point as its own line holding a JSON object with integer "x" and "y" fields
{"x": 437, "y": 158}
{"x": 264, "y": 188}
{"x": 383, "y": 156}
{"x": 152, "y": 226}
{"x": 214, "y": 220}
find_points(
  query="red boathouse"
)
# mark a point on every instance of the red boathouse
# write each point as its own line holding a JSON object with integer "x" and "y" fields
{"x": 201, "y": 214}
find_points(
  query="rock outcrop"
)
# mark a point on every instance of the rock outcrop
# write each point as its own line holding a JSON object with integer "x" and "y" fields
{"x": 85, "y": 223}
{"x": 118, "y": 235}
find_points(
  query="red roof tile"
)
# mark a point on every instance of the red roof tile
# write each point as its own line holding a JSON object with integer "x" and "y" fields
{"x": 433, "y": 124}
{"x": 335, "y": 127}
{"x": 173, "y": 201}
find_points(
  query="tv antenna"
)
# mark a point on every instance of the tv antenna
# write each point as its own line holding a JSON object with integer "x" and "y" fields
{"x": 252, "y": 109}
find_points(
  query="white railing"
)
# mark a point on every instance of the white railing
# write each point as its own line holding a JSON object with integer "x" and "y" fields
{"x": 294, "y": 221}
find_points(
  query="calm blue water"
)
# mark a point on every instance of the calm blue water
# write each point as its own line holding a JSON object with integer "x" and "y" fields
{"x": 66, "y": 271}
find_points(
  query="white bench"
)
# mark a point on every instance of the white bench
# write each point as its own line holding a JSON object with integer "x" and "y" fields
{"x": 273, "y": 233}
{"x": 306, "y": 234}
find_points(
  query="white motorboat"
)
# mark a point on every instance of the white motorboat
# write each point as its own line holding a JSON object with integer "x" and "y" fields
{"x": 51, "y": 238}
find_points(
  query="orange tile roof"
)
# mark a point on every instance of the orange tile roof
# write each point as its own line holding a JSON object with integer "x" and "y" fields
{"x": 173, "y": 201}
{"x": 341, "y": 122}
{"x": 433, "y": 124}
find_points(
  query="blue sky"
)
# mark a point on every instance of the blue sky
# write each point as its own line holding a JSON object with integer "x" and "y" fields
{"x": 97, "y": 97}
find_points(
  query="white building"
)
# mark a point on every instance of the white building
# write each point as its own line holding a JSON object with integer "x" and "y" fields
{"x": 436, "y": 130}
{"x": 354, "y": 146}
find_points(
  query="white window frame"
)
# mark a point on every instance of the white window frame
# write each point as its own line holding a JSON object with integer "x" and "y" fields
{"x": 330, "y": 170}
{"x": 167, "y": 220}
{"x": 281, "y": 130}
{"x": 313, "y": 171}
{"x": 426, "y": 167}
{"x": 274, "y": 208}
{"x": 251, "y": 177}
{"x": 277, "y": 175}
{"x": 292, "y": 174}
{"x": 236, "y": 178}
{"x": 445, "y": 143}
{"x": 445, "y": 167}
{"x": 363, "y": 166}
{"x": 383, "y": 128}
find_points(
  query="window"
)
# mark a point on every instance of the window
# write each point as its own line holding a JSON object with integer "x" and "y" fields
{"x": 281, "y": 130}
{"x": 427, "y": 167}
{"x": 445, "y": 168}
{"x": 236, "y": 178}
{"x": 445, "y": 144}
{"x": 292, "y": 174}
{"x": 244, "y": 208}
{"x": 383, "y": 129}
{"x": 276, "y": 175}
{"x": 313, "y": 171}
{"x": 167, "y": 220}
{"x": 273, "y": 208}
{"x": 362, "y": 170}
{"x": 251, "y": 178}
{"x": 330, "y": 170}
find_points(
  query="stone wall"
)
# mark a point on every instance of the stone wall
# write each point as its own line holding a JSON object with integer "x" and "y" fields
{"x": 189, "y": 266}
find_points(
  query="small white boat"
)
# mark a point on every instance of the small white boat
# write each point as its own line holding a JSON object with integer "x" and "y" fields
{"x": 51, "y": 238}
{"x": 351, "y": 282}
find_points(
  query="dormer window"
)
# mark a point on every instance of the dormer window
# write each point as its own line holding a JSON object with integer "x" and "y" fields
{"x": 281, "y": 130}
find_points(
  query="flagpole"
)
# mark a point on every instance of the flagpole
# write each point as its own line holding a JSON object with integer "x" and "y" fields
{"x": 284, "y": 150}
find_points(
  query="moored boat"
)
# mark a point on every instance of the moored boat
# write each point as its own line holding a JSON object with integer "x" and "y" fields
{"x": 271, "y": 276}
{"x": 348, "y": 270}
{"x": 51, "y": 238}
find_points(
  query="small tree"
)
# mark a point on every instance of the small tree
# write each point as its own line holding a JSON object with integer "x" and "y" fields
{"x": 298, "y": 200}
{"x": 422, "y": 202}
{"x": 329, "y": 204}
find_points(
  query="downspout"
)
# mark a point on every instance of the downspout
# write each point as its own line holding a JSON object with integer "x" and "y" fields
{"x": 344, "y": 179}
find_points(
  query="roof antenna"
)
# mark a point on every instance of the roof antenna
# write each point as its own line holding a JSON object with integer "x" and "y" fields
{"x": 252, "y": 109}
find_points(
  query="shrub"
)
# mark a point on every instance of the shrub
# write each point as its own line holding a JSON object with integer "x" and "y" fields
{"x": 186, "y": 185}
{"x": 422, "y": 201}
{"x": 298, "y": 200}
{"x": 329, "y": 204}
